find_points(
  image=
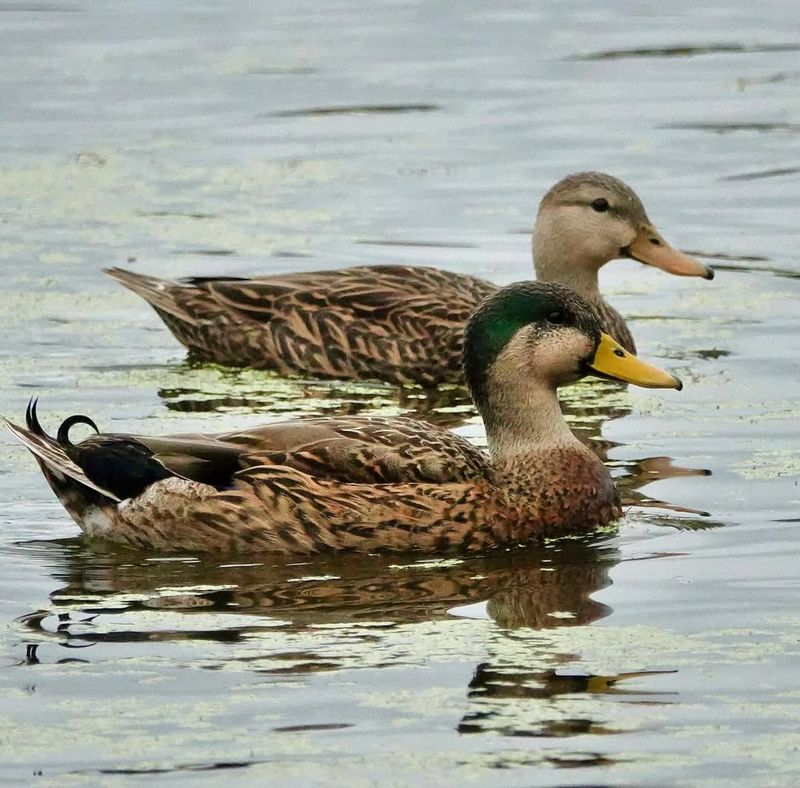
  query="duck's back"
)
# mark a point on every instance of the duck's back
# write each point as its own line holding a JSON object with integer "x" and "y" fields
{"x": 401, "y": 324}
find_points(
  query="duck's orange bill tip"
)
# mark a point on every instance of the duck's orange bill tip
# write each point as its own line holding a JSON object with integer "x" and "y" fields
{"x": 613, "y": 361}
{"x": 651, "y": 249}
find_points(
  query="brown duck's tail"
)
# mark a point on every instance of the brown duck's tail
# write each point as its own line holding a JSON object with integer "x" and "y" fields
{"x": 68, "y": 480}
{"x": 159, "y": 293}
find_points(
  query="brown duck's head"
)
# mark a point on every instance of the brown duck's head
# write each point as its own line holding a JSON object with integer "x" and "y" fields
{"x": 544, "y": 334}
{"x": 590, "y": 218}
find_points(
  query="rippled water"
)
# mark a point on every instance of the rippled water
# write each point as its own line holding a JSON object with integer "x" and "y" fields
{"x": 194, "y": 138}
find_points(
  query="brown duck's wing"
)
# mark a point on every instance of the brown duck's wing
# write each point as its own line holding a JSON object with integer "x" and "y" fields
{"x": 402, "y": 347}
{"x": 397, "y": 323}
{"x": 200, "y": 458}
{"x": 278, "y": 508}
{"x": 366, "y": 292}
{"x": 359, "y": 450}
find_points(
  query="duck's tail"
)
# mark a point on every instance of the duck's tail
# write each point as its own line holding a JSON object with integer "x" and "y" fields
{"x": 76, "y": 491}
{"x": 159, "y": 293}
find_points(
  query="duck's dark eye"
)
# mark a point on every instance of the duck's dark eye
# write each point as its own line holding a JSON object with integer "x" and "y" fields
{"x": 557, "y": 317}
{"x": 600, "y": 204}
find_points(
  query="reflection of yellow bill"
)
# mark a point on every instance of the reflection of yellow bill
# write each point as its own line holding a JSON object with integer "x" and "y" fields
{"x": 614, "y": 361}
{"x": 650, "y": 248}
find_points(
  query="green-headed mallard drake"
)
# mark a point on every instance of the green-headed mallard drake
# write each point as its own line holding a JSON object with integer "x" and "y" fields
{"x": 370, "y": 484}
{"x": 404, "y": 324}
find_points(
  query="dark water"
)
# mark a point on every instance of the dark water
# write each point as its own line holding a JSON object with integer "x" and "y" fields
{"x": 193, "y": 138}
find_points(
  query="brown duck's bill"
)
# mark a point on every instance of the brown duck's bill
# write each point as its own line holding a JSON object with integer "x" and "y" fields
{"x": 651, "y": 249}
{"x": 611, "y": 360}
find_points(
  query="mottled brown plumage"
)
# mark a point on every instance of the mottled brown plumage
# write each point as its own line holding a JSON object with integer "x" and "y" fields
{"x": 396, "y": 323}
{"x": 370, "y": 484}
{"x": 401, "y": 324}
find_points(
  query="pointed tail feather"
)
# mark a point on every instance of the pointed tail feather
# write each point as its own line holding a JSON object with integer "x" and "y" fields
{"x": 157, "y": 292}
{"x": 50, "y": 453}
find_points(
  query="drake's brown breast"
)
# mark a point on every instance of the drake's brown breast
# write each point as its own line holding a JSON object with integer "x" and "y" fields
{"x": 560, "y": 491}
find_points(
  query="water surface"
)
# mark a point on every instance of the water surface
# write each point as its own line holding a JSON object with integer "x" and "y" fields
{"x": 196, "y": 139}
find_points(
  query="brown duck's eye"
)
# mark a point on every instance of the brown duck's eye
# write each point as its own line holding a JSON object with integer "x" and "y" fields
{"x": 600, "y": 205}
{"x": 557, "y": 317}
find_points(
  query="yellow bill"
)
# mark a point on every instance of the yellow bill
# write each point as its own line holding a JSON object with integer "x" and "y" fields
{"x": 651, "y": 249}
{"x": 613, "y": 361}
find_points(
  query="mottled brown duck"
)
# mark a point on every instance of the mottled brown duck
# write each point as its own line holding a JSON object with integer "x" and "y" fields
{"x": 369, "y": 484}
{"x": 404, "y": 324}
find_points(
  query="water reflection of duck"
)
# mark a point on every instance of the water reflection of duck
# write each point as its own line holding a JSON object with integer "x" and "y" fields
{"x": 371, "y": 484}
{"x": 109, "y": 598}
{"x": 404, "y": 324}
{"x": 588, "y": 408}
{"x": 446, "y": 406}
{"x": 517, "y": 701}
{"x": 540, "y": 588}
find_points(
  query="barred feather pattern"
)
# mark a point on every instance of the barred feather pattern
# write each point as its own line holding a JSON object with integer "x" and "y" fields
{"x": 280, "y": 509}
{"x": 362, "y": 449}
{"x": 401, "y": 324}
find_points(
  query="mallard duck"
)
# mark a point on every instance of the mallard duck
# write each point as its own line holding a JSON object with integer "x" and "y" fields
{"x": 404, "y": 324}
{"x": 371, "y": 484}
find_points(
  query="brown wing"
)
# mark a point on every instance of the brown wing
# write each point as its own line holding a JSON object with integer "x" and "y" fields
{"x": 360, "y": 450}
{"x": 368, "y": 292}
{"x": 282, "y": 509}
{"x": 397, "y": 323}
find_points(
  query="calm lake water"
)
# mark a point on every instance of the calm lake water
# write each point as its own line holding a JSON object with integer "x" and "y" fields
{"x": 202, "y": 137}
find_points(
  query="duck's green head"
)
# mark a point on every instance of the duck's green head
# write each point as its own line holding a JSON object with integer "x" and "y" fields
{"x": 547, "y": 334}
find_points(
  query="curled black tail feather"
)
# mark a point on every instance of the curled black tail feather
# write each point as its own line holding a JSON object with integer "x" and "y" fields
{"x": 62, "y": 437}
{"x": 60, "y": 469}
{"x": 32, "y": 420}
{"x": 119, "y": 466}
{"x": 63, "y": 431}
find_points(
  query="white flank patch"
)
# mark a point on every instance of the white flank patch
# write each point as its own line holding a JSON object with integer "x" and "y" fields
{"x": 158, "y": 494}
{"x": 96, "y": 522}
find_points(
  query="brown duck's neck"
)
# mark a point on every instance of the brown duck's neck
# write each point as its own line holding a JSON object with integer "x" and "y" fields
{"x": 521, "y": 423}
{"x": 614, "y": 324}
{"x": 556, "y": 259}
{"x": 578, "y": 269}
